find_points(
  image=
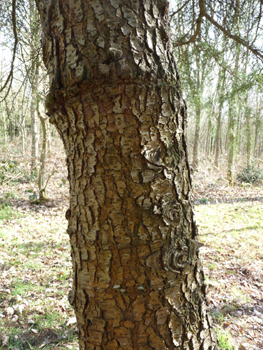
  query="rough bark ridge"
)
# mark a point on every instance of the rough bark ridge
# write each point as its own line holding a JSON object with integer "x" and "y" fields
{"x": 115, "y": 99}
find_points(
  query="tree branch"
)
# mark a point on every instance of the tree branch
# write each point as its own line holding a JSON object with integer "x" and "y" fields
{"x": 198, "y": 25}
{"x": 203, "y": 13}
{"x": 234, "y": 37}
{"x": 180, "y": 9}
{"x": 9, "y": 79}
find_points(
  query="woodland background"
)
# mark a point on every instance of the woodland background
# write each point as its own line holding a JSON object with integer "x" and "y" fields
{"x": 222, "y": 85}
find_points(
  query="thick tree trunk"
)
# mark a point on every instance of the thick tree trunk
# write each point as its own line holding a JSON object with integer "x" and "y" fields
{"x": 115, "y": 99}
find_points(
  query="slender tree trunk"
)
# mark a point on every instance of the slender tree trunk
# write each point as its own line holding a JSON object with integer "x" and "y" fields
{"x": 22, "y": 132}
{"x": 4, "y": 126}
{"x": 247, "y": 112}
{"x": 231, "y": 142}
{"x": 3, "y": 112}
{"x": 209, "y": 137}
{"x": 34, "y": 134}
{"x": 257, "y": 133}
{"x": 218, "y": 136}
{"x": 34, "y": 81}
{"x": 258, "y": 126}
{"x": 218, "y": 133}
{"x": 212, "y": 139}
{"x": 232, "y": 122}
{"x": 239, "y": 148}
{"x": 10, "y": 127}
{"x": 115, "y": 99}
{"x": 197, "y": 91}
{"x": 4, "y": 129}
{"x": 196, "y": 138}
{"x": 41, "y": 176}
{"x": 248, "y": 136}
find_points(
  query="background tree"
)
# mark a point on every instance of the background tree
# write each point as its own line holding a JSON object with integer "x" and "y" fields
{"x": 23, "y": 94}
{"x": 217, "y": 30}
{"x": 195, "y": 68}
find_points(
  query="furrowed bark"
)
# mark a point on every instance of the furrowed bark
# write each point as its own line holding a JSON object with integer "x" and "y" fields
{"x": 115, "y": 99}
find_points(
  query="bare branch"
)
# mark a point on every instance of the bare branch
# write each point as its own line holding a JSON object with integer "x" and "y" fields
{"x": 227, "y": 32}
{"x": 198, "y": 25}
{"x": 235, "y": 37}
{"x": 9, "y": 79}
{"x": 180, "y": 9}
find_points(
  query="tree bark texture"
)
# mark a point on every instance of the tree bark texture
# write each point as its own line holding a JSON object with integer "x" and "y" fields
{"x": 115, "y": 99}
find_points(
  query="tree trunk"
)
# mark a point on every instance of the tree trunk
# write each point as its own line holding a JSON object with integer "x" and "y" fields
{"x": 196, "y": 138}
{"x": 115, "y": 99}
{"x": 257, "y": 133}
{"x": 2, "y": 110}
{"x": 22, "y": 131}
{"x": 209, "y": 139}
{"x": 232, "y": 121}
{"x": 4, "y": 130}
{"x": 196, "y": 93}
{"x": 220, "y": 90}
{"x": 247, "y": 112}
{"x": 231, "y": 141}
{"x": 218, "y": 136}
{"x": 34, "y": 134}
{"x": 34, "y": 81}
{"x": 248, "y": 135}
{"x": 41, "y": 176}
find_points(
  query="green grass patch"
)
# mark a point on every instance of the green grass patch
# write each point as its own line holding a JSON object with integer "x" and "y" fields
{"x": 231, "y": 228}
{"x": 2, "y": 233}
{"x": 212, "y": 266}
{"x": 7, "y": 213}
{"x": 224, "y": 340}
{"x": 23, "y": 287}
{"x": 36, "y": 337}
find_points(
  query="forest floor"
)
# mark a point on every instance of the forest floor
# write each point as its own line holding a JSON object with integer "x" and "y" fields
{"x": 230, "y": 222}
{"x": 35, "y": 266}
